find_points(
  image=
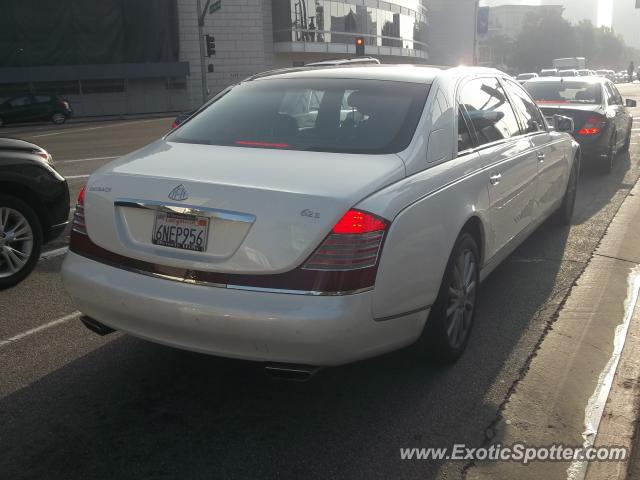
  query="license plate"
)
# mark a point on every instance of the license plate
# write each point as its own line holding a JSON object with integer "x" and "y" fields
{"x": 187, "y": 232}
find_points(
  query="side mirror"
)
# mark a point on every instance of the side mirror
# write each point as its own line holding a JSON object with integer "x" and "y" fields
{"x": 631, "y": 103}
{"x": 563, "y": 124}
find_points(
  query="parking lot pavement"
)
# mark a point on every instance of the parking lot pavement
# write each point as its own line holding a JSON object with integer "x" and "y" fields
{"x": 74, "y": 405}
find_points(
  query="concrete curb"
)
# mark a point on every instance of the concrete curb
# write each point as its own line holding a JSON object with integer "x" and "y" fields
{"x": 563, "y": 386}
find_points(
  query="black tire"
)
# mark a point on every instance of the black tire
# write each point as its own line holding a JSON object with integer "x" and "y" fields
{"x": 58, "y": 118}
{"x": 1, "y": 122}
{"x": 606, "y": 165}
{"x": 627, "y": 142}
{"x": 438, "y": 341}
{"x": 8, "y": 279}
{"x": 564, "y": 214}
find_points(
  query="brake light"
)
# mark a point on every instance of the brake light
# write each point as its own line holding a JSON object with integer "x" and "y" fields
{"x": 354, "y": 243}
{"x": 65, "y": 104}
{"x": 79, "y": 225}
{"x": 174, "y": 125}
{"x": 593, "y": 126}
{"x": 245, "y": 143}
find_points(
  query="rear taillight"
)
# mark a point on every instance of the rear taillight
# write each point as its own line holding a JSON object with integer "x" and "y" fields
{"x": 354, "y": 243}
{"x": 64, "y": 104}
{"x": 79, "y": 225}
{"x": 593, "y": 126}
{"x": 174, "y": 125}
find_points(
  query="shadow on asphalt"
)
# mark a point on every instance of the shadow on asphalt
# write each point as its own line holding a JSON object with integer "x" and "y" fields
{"x": 132, "y": 409}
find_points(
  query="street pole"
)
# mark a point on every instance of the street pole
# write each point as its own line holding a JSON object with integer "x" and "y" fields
{"x": 475, "y": 34}
{"x": 200, "y": 41}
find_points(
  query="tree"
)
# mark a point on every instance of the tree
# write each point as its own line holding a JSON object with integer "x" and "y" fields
{"x": 544, "y": 36}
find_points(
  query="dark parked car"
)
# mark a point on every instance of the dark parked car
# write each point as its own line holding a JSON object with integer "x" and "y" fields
{"x": 35, "y": 107}
{"x": 180, "y": 119}
{"x": 34, "y": 207}
{"x": 601, "y": 119}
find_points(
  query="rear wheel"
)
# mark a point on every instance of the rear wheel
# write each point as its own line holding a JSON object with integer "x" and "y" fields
{"x": 627, "y": 142}
{"x": 607, "y": 164}
{"x": 20, "y": 240}
{"x": 447, "y": 331}
{"x": 58, "y": 118}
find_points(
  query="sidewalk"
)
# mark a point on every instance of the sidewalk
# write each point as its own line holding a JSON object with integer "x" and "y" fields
{"x": 561, "y": 397}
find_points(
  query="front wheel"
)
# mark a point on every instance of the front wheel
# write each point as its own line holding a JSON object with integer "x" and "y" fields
{"x": 448, "y": 328}
{"x": 20, "y": 240}
{"x": 58, "y": 118}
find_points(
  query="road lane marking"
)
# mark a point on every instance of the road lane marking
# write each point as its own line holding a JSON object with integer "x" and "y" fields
{"x": 75, "y": 177}
{"x": 46, "y": 326}
{"x": 54, "y": 253}
{"x": 75, "y": 130}
{"x": 595, "y": 406}
{"x": 78, "y": 160}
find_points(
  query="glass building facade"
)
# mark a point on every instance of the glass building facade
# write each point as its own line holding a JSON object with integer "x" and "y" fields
{"x": 399, "y": 23}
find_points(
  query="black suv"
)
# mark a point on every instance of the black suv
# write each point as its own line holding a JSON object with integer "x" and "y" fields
{"x": 35, "y": 107}
{"x": 34, "y": 207}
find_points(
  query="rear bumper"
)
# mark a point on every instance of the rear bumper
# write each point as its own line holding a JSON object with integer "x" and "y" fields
{"x": 250, "y": 325}
{"x": 594, "y": 147}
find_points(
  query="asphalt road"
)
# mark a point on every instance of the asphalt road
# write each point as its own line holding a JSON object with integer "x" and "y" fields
{"x": 74, "y": 405}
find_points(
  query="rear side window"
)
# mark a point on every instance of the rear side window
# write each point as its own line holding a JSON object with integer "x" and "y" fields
{"x": 489, "y": 111}
{"x": 326, "y": 115}
{"x": 527, "y": 111}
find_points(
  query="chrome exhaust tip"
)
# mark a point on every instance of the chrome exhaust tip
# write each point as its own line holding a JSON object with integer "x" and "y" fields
{"x": 95, "y": 326}
{"x": 291, "y": 372}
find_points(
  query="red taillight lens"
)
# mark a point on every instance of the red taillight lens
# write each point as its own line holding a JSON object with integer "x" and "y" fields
{"x": 357, "y": 222}
{"x": 353, "y": 244}
{"x": 79, "y": 225}
{"x": 175, "y": 124}
{"x": 593, "y": 126}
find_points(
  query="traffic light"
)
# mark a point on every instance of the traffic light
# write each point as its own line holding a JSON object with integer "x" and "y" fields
{"x": 211, "y": 45}
{"x": 359, "y": 46}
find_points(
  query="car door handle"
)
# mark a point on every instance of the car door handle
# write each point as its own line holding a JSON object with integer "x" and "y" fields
{"x": 541, "y": 156}
{"x": 495, "y": 179}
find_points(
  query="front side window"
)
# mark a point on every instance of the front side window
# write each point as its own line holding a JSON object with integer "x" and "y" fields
{"x": 489, "y": 111}
{"x": 327, "y": 115}
{"x": 565, "y": 91}
{"x": 527, "y": 111}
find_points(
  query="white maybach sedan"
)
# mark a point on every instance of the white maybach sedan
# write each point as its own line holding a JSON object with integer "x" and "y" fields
{"x": 318, "y": 216}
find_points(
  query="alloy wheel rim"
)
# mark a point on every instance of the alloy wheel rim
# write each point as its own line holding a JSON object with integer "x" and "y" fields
{"x": 16, "y": 241}
{"x": 462, "y": 298}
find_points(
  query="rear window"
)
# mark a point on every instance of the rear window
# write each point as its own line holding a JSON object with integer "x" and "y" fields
{"x": 326, "y": 115}
{"x": 565, "y": 92}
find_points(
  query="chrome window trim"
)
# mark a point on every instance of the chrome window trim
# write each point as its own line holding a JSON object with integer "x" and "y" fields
{"x": 172, "y": 207}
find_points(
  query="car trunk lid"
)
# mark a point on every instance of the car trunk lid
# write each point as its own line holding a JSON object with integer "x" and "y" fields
{"x": 267, "y": 210}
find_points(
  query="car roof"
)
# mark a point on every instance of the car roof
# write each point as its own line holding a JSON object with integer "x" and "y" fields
{"x": 13, "y": 144}
{"x": 402, "y": 73}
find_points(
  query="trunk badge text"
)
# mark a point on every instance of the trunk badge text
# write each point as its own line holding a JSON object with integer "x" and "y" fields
{"x": 309, "y": 214}
{"x": 179, "y": 193}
